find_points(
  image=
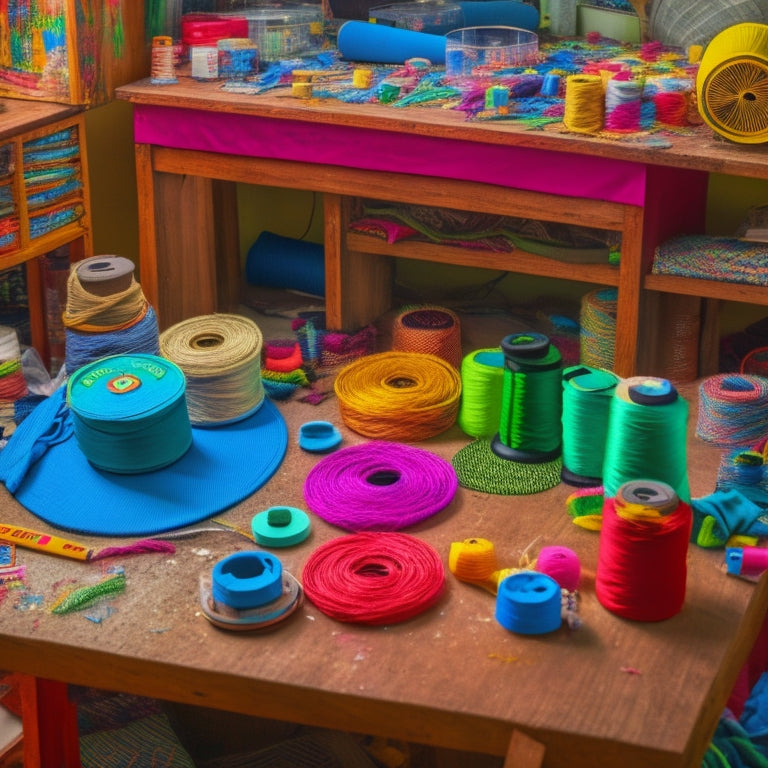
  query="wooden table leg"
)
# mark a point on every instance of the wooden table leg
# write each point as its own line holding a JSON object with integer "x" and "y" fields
{"x": 49, "y": 720}
{"x": 524, "y": 752}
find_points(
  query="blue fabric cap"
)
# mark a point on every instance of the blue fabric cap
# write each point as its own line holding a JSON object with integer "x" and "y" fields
{"x": 43, "y": 466}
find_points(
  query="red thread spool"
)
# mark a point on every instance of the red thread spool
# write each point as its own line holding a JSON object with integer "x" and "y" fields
{"x": 374, "y": 578}
{"x": 642, "y": 569}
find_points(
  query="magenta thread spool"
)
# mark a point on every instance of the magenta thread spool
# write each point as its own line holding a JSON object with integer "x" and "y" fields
{"x": 562, "y": 564}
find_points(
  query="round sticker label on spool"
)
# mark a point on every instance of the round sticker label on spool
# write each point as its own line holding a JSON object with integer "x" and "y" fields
{"x": 125, "y": 387}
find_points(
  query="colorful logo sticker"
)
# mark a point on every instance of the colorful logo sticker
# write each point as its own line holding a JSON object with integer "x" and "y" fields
{"x": 123, "y": 383}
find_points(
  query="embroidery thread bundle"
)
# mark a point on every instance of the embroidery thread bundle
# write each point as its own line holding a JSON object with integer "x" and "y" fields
{"x": 220, "y": 355}
{"x": 642, "y": 570}
{"x": 379, "y": 486}
{"x": 399, "y": 396}
{"x": 374, "y": 578}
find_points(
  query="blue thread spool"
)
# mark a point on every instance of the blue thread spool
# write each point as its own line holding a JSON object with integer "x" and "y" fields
{"x": 247, "y": 580}
{"x": 285, "y": 262}
{"x": 529, "y": 603}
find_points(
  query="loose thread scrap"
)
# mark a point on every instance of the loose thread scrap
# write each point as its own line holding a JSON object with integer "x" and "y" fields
{"x": 84, "y": 597}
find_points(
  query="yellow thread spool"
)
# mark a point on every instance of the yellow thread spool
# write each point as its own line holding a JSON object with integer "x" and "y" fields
{"x": 584, "y": 104}
{"x": 301, "y": 90}
{"x": 362, "y": 78}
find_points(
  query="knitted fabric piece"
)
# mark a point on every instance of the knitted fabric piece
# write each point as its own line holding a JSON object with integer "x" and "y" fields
{"x": 480, "y": 469}
{"x": 713, "y": 258}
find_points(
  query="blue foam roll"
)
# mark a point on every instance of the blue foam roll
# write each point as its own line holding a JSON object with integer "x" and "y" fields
{"x": 275, "y": 261}
{"x": 363, "y": 41}
{"x": 500, "y": 13}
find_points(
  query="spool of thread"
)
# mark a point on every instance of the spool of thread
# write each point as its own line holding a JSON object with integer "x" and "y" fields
{"x": 142, "y": 337}
{"x": 220, "y": 356}
{"x": 398, "y": 396}
{"x": 275, "y": 261}
{"x": 530, "y": 428}
{"x": 379, "y": 486}
{"x": 623, "y": 105}
{"x": 529, "y": 603}
{"x": 129, "y": 413}
{"x": 13, "y": 385}
{"x": 474, "y": 561}
{"x": 749, "y": 562}
{"x": 374, "y": 578}
{"x": 671, "y": 108}
{"x": 161, "y": 67}
{"x": 587, "y": 395}
{"x": 584, "y": 104}
{"x": 597, "y": 337}
{"x": 105, "y": 275}
{"x": 647, "y": 436}
{"x": 99, "y": 312}
{"x": 642, "y": 558}
{"x": 562, "y": 564}
{"x": 429, "y": 330}
{"x": 732, "y": 409}
{"x": 482, "y": 383}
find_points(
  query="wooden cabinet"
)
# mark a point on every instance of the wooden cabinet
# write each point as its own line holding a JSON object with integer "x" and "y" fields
{"x": 71, "y": 51}
{"x": 44, "y": 194}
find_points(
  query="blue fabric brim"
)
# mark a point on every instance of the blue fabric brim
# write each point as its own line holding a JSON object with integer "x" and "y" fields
{"x": 224, "y": 465}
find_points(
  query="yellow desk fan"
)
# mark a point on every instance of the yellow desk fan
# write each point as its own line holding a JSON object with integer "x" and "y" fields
{"x": 732, "y": 83}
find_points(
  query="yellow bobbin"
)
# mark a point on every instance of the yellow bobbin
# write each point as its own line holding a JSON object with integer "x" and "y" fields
{"x": 362, "y": 78}
{"x": 301, "y": 90}
{"x": 474, "y": 561}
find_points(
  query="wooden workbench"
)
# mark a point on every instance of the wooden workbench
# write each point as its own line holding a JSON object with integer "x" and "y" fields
{"x": 614, "y": 694}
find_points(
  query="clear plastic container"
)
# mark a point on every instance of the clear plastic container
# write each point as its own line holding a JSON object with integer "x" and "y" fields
{"x": 435, "y": 18}
{"x": 283, "y": 31}
{"x": 476, "y": 51}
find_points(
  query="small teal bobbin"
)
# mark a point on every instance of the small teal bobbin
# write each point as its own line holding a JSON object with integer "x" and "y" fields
{"x": 247, "y": 580}
{"x": 280, "y": 527}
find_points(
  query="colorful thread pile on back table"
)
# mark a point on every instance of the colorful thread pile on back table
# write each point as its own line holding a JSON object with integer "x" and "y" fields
{"x": 657, "y": 91}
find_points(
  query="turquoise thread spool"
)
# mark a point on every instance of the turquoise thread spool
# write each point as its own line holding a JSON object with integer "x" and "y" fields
{"x": 130, "y": 413}
{"x": 587, "y": 394}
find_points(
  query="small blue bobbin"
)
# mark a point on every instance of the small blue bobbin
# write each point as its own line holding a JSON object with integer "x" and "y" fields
{"x": 280, "y": 527}
{"x": 529, "y": 603}
{"x": 247, "y": 580}
{"x": 318, "y": 436}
